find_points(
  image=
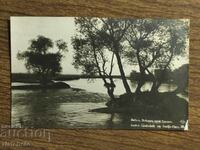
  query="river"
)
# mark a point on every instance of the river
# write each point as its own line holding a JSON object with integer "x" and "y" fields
{"x": 69, "y": 109}
{"x": 96, "y": 86}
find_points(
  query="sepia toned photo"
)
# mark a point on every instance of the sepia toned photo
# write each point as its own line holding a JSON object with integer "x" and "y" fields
{"x": 104, "y": 73}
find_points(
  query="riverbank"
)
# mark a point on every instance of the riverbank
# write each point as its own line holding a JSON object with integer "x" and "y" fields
{"x": 160, "y": 106}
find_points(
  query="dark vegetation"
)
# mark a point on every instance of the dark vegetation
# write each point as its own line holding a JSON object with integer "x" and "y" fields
{"x": 41, "y": 59}
{"x": 140, "y": 42}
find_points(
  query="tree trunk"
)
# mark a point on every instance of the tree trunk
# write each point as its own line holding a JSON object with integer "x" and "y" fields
{"x": 160, "y": 79}
{"x": 142, "y": 72}
{"x": 154, "y": 87}
{"x": 112, "y": 88}
{"x": 43, "y": 80}
{"x": 125, "y": 83}
{"x": 141, "y": 81}
{"x": 140, "y": 84}
{"x": 106, "y": 84}
{"x": 110, "y": 93}
{"x": 109, "y": 87}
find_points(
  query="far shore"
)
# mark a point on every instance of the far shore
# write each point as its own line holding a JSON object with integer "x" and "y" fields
{"x": 51, "y": 85}
{"x": 32, "y": 78}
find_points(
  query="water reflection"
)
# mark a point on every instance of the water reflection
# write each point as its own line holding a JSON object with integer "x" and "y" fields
{"x": 119, "y": 121}
{"x": 68, "y": 109}
{"x": 33, "y": 109}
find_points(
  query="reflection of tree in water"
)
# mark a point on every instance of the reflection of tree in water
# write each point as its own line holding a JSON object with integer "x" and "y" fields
{"x": 123, "y": 121}
{"x": 109, "y": 122}
{"x": 42, "y": 110}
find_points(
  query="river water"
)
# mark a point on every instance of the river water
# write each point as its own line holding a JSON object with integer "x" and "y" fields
{"x": 69, "y": 109}
{"x": 97, "y": 86}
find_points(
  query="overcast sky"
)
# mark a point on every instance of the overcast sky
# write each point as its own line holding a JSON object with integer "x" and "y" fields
{"x": 23, "y": 29}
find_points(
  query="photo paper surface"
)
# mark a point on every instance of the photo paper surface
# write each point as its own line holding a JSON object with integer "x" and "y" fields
{"x": 103, "y": 73}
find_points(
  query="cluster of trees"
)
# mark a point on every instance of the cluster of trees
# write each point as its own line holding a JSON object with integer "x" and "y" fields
{"x": 146, "y": 43}
{"x": 43, "y": 59}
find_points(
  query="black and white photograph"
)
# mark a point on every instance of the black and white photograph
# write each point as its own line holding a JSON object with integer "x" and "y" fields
{"x": 101, "y": 73}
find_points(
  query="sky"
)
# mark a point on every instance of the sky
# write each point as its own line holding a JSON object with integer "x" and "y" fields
{"x": 24, "y": 29}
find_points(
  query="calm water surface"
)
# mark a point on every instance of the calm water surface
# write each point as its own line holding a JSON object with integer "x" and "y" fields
{"x": 96, "y": 86}
{"x": 56, "y": 109}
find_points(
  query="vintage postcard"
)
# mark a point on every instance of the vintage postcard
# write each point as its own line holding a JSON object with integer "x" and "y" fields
{"x": 107, "y": 73}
